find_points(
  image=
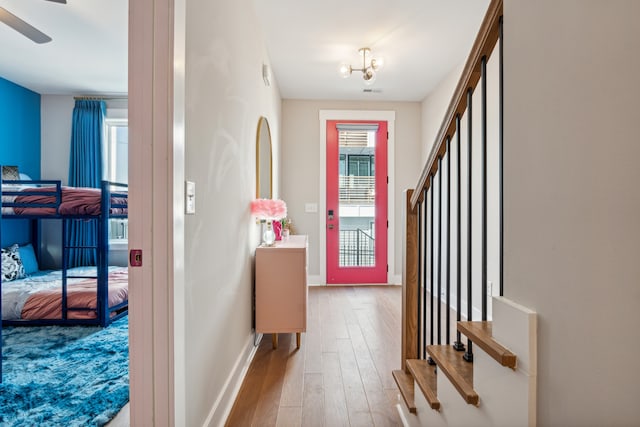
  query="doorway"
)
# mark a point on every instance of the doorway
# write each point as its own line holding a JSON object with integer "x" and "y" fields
{"x": 356, "y": 194}
{"x": 346, "y": 116}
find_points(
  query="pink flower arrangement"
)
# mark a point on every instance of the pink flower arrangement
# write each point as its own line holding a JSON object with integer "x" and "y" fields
{"x": 269, "y": 209}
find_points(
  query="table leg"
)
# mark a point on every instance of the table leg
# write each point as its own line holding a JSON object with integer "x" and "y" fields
{"x": 274, "y": 341}
{"x": 298, "y": 340}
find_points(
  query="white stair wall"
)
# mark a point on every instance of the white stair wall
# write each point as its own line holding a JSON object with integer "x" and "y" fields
{"x": 507, "y": 397}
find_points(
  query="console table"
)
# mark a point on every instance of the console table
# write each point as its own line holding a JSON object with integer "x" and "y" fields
{"x": 281, "y": 288}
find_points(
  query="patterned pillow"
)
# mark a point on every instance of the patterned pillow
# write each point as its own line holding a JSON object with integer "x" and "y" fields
{"x": 12, "y": 267}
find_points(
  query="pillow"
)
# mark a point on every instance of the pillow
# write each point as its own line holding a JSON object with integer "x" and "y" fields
{"x": 12, "y": 267}
{"x": 10, "y": 173}
{"x": 28, "y": 258}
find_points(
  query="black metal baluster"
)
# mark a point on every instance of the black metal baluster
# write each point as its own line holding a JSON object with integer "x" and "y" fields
{"x": 448, "y": 328}
{"x": 420, "y": 319}
{"x": 501, "y": 166}
{"x": 424, "y": 276}
{"x": 439, "y": 250}
{"x": 483, "y": 64}
{"x": 468, "y": 355}
{"x": 358, "y": 248}
{"x": 458, "y": 346}
{"x": 431, "y": 179}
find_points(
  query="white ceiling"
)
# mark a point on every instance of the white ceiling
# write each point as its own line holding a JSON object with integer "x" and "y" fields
{"x": 88, "y": 54}
{"x": 420, "y": 41}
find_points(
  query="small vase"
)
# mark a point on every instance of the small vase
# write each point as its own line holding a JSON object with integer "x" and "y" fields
{"x": 285, "y": 234}
{"x": 269, "y": 237}
{"x": 277, "y": 228}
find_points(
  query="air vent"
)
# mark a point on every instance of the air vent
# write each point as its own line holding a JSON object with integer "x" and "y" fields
{"x": 370, "y": 90}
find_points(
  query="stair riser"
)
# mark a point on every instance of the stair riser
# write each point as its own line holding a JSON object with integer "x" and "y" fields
{"x": 514, "y": 327}
{"x": 509, "y": 397}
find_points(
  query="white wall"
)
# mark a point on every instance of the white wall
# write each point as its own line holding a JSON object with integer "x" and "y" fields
{"x": 225, "y": 96}
{"x": 301, "y": 165}
{"x": 56, "y": 112}
{"x": 434, "y": 107}
{"x": 572, "y": 203}
{"x": 56, "y": 118}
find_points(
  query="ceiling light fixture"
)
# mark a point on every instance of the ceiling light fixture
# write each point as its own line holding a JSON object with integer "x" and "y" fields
{"x": 368, "y": 69}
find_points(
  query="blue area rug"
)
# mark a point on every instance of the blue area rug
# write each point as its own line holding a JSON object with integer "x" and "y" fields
{"x": 64, "y": 376}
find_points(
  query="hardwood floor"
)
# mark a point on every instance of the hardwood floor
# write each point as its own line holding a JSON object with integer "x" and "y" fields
{"x": 340, "y": 376}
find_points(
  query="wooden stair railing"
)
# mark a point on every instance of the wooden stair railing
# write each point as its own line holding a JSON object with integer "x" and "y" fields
{"x": 417, "y": 315}
{"x": 483, "y": 46}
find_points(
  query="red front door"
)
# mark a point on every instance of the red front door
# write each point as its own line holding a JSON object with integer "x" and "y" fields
{"x": 356, "y": 215}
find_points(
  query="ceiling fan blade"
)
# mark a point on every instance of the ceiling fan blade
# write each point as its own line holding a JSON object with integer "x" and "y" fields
{"x": 22, "y": 27}
{"x": 59, "y": 1}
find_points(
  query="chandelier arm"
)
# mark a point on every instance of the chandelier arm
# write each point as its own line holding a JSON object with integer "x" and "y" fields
{"x": 368, "y": 71}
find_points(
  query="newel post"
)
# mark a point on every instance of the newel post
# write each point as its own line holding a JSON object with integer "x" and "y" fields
{"x": 409, "y": 282}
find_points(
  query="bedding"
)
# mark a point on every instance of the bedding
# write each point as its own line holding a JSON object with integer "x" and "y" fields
{"x": 12, "y": 267}
{"x": 39, "y": 296}
{"x": 7, "y": 210}
{"x": 75, "y": 201}
{"x": 28, "y": 258}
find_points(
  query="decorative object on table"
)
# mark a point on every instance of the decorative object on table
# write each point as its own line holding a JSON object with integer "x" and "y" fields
{"x": 277, "y": 229}
{"x": 286, "y": 227}
{"x": 267, "y": 211}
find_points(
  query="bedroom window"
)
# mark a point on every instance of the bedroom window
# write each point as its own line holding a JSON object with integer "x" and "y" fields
{"x": 116, "y": 150}
{"x": 116, "y": 167}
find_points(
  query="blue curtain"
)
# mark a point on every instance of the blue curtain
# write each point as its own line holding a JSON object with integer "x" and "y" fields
{"x": 85, "y": 170}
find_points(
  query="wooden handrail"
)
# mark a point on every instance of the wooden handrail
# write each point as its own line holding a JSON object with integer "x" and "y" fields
{"x": 483, "y": 47}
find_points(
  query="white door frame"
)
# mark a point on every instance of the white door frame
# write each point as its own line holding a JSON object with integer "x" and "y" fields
{"x": 156, "y": 174}
{"x": 390, "y": 118}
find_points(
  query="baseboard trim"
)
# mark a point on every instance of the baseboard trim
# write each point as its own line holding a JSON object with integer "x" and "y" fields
{"x": 315, "y": 281}
{"x": 403, "y": 418}
{"x": 224, "y": 403}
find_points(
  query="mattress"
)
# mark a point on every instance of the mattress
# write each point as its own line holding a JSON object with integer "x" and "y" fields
{"x": 39, "y": 295}
{"x": 74, "y": 201}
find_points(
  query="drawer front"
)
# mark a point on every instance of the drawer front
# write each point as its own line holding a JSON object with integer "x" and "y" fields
{"x": 281, "y": 290}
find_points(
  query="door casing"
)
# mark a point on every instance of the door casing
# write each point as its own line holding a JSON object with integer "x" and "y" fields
{"x": 346, "y": 115}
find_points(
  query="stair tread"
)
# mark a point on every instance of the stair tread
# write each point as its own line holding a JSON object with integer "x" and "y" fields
{"x": 481, "y": 333}
{"x": 404, "y": 381}
{"x": 458, "y": 370}
{"x": 425, "y": 375}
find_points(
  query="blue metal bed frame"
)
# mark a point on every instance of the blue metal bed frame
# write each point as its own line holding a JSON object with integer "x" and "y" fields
{"x": 103, "y": 311}
{"x": 103, "y": 317}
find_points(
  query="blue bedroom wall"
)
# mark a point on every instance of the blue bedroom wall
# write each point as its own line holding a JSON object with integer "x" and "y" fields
{"x": 19, "y": 144}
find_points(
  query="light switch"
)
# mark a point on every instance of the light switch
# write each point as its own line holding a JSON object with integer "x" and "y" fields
{"x": 190, "y": 198}
{"x": 311, "y": 207}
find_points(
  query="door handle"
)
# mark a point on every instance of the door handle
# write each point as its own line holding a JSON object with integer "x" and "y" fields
{"x": 330, "y": 226}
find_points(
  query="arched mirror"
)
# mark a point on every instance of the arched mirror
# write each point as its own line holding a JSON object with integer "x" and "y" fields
{"x": 263, "y": 160}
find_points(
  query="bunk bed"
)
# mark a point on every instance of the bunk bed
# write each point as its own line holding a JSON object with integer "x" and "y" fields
{"x": 93, "y": 295}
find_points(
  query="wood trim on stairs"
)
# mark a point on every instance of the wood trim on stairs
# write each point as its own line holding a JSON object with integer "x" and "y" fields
{"x": 459, "y": 371}
{"x": 481, "y": 334}
{"x": 406, "y": 387}
{"x": 425, "y": 375}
